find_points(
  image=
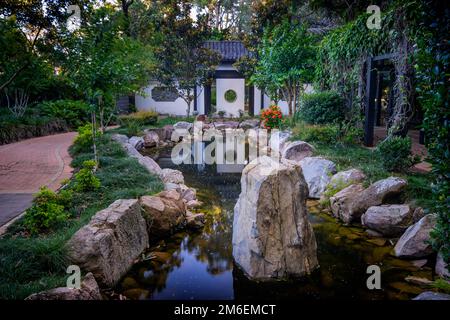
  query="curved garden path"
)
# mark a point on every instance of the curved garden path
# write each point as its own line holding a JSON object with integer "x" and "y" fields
{"x": 27, "y": 165}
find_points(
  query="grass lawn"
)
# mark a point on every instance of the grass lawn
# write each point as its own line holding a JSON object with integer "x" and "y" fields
{"x": 30, "y": 264}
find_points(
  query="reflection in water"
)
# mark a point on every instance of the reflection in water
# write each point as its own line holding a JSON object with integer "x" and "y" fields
{"x": 200, "y": 265}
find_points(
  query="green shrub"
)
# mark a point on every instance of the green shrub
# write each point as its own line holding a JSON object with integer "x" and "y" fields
{"x": 133, "y": 128}
{"x": 140, "y": 117}
{"x": 322, "y": 108}
{"x": 350, "y": 134}
{"x": 15, "y": 129}
{"x": 85, "y": 180}
{"x": 134, "y": 122}
{"x": 74, "y": 112}
{"x": 315, "y": 133}
{"x": 48, "y": 210}
{"x": 84, "y": 139}
{"x": 395, "y": 154}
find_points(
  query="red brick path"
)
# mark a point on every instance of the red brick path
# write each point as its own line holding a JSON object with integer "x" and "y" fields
{"x": 27, "y": 165}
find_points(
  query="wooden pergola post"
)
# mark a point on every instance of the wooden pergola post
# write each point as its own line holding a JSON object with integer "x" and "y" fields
{"x": 207, "y": 96}
{"x": 251, "y": 100}
{"x": 370, "y": 103}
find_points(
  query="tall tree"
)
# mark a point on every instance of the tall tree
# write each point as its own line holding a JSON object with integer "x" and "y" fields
{"x": 39, "y": 22}
{"x": 286, "y": 62}
{"x": 184, "y": 63}
{"x": 103, "y": 62}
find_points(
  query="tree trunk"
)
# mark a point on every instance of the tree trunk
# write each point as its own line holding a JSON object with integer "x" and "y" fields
{"x": 94, "y": 142}
{"x": 101, "y": 111}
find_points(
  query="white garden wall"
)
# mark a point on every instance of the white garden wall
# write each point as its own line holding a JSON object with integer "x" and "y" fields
{"x": 177, "y": 107}
{"x": 231, "y": 108}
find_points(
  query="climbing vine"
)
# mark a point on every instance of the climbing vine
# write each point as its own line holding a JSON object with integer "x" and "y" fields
{"x": 417, "y": 31}
{"x": 344, "y": 51}
{"x": 432, "y": 76}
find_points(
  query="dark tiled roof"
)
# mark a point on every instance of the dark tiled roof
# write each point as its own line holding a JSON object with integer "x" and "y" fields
{"x": 229, "y": 50}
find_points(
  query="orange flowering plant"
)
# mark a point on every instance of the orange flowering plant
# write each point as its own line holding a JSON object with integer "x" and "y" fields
{"x": 272, "y": 117}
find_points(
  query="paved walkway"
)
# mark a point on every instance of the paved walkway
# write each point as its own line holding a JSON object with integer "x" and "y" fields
{"x": 27, "y": 165}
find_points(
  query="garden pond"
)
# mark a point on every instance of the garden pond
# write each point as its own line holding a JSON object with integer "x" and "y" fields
{"x": 199, "y": 266}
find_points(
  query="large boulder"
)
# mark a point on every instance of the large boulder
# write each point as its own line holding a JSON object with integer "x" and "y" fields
{"x": 345, "y": 178}
{"x": 378, "y": 193}
{"x": 172, "y": 176}
{"x": 283, "y": 138}
{"x": 88, "y": 290}
{"x": 297, "y": 150}
{"x": 137, "y": 142}
{"x": 120, "y": 138}
{"x": 317, "y": 172}
{"x": 342, "y": 203}
{"x": 147, "y": 162}
{"x": 163, "y": 133}
{"x": 108, "y": 245}
{"x": 441, "y": 268}
{"x": 414, "y": 243}
{"x": 389, "y": 220}
{"x": 167, "y": 132}
{"x": 165, "y": 213}
{"x": 272, "y": 237}
{"x": 151, "y": 139}
{"x": 431, "y": 295}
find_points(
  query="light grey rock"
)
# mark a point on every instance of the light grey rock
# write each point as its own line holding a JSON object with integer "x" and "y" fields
{"x": 193, "y": 204}
{"x": 342, "y": 203}
{"x": 226, "y": 125}
{"x": 188, "y": 194}
{"x": 172, "y": 176}
{"x": 120, "y": 138}
{"x": 297, "y": 150}
{"x": 390, "y": 220}
{"x": 171, "y": 186}
{"x": 441, "y": 268}
{"x": 317, "y": 172}
{"x": 136, "y": 142}
{"x": 430, "y": 295}
{"x": 249, "y": 124}
{"x": 347, "y": 177}
{"x": 414, "y": 243}
{"x": 167, "y": 135}
{"x": 284, "y": 138}
{"x": 88, "y": 290}
{"x": 151, "y": 139}
{"x": 379, "y": 192}
{"x": 109, "y": 244}
{"x": 147, "y": 162}
{"x": 272, "y": 237}
{"x": 183, "y": 125}
{"x": 165, "y": 213}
